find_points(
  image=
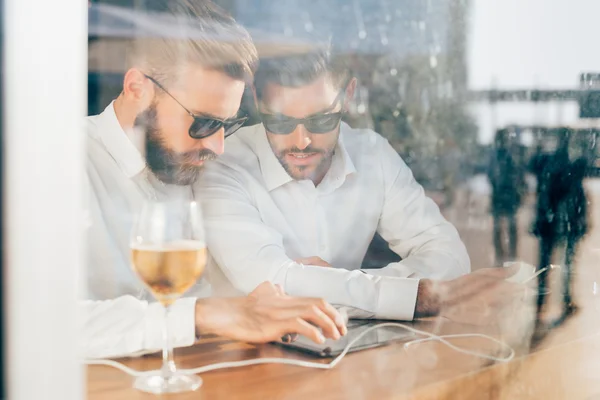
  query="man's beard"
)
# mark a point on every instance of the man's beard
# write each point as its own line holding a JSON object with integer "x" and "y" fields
{"x": 168, "y": 166}
{"x": 298, "y": 172}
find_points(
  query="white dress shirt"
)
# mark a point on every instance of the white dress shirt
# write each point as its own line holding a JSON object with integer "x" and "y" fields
{"x": 120, "y": 316}
{"x": 259, "y": 220}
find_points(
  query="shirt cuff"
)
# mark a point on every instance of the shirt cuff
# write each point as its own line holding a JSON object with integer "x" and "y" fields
{"x": 182, "y": 324}
{"x": 397, "y": 270}
{"x": 397, "y": 298}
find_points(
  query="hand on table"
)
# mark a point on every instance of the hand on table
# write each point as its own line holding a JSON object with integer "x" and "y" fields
{"x": 267, "y": 314}
{"x": 481, "y": 297}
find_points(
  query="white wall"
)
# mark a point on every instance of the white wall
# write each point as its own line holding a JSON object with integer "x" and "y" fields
{"x": 45, "y": 101}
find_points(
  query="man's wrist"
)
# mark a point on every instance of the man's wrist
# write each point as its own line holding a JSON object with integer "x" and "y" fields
{"x": 202, "y": 317}
{"x": 429, "y": 298}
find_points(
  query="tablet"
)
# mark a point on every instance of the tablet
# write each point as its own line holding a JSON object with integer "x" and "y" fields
{"x": 332, "y": 348}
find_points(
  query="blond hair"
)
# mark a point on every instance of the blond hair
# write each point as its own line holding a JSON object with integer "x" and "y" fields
{"x": 196, "y": 32}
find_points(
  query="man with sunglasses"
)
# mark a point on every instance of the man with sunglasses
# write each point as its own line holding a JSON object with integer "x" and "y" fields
{"x": 180, "y": 99}
{"x": 297, "y": 199}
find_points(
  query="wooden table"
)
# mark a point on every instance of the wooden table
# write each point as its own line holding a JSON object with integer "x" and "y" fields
{"x": 565, "y": 365}
{"x": 386, "y": 372}
{"x": 566, "y": 369}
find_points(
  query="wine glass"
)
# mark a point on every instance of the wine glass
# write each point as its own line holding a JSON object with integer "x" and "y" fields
{"x": 168, "y": 253}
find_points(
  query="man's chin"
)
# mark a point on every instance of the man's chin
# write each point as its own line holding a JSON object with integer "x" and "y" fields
{"x": 300, "y": 173}
{"x": 181, "y": 177}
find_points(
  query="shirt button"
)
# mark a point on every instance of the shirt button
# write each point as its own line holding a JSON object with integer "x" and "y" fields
{"x": 323, "y": 247}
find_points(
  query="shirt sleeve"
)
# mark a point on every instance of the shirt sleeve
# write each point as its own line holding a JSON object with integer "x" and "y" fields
{"x": 116, "y": 325}
{"x": 412, "y": 224}
{"x": 126, "y": 326}
{"x": 250, "y": 252}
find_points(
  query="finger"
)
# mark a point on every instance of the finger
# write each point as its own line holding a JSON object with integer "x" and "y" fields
{"x": 301, "y": 327}
{"x": 307, "y": 309}
{"x": 330, "y": 311}
{"x": 316, "y": 316}
{"x": 339, "y": 319}
{"x": 325, "y": 313}
{"x": 289, "y": 338}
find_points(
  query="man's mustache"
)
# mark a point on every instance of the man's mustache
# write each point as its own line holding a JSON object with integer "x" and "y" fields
{"x": 196, "y": 156}
{"x": 306, "y": 150}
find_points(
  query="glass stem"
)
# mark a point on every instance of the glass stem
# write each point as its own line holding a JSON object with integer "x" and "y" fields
{"x": 168, "y": 367}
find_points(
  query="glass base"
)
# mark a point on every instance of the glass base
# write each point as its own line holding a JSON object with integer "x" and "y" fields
{"x": 177, "y": 383}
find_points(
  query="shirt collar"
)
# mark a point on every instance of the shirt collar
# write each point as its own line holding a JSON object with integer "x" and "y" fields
{"x": 275, "y": 175}
{"x": 272, "y": 171}
{"x": 121, "y": 145}
{"x": 342, "y": 164}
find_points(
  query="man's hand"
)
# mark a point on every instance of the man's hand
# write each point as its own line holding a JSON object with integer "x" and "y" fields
{"x": 266, "y": 315}
{"x": 474, "y": 297}
{"x": 317, "y": 261}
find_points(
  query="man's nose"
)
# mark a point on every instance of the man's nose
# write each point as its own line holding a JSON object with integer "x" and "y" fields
{"x": 301, "y": 137}
{"x": 215, "y": 142}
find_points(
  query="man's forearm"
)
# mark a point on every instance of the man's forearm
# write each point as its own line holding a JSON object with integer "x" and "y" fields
{"x": 126, "y": 325}
{"x": 429, "y": 299}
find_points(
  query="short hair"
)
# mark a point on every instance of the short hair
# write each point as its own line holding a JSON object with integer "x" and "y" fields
{"x": 199, "y": 33}
{"x": 299, "y": 70}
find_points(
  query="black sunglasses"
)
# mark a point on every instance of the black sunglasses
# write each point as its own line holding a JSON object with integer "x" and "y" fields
{"x": 205, "y": 126}
{"x": 322, "y": 122}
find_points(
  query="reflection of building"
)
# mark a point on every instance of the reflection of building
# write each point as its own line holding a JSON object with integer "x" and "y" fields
{"x": 408, "y": 55}
{"x": 394, "y": 27}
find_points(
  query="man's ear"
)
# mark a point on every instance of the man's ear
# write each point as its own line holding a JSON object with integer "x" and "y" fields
{"x": 138, "y": 89}
{"x": 350, "y": 92}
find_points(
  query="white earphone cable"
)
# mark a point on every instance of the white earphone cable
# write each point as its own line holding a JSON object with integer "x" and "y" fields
{"x": 334, "y": 362}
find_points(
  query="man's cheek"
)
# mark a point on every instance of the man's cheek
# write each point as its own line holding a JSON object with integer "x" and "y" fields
{"x": 279, "y": 149}
{"x": 180, "y": 143}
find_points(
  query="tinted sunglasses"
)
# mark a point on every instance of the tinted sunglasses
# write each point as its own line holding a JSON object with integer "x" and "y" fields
{"x": 322, "y": 122}
{"x": 283, "y": 125}
{"x": 205, "y": 126}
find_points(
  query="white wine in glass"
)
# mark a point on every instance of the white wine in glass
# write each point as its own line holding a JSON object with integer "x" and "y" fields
{"x": 168, "y": 253}
{"x": 169, "y": 270}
